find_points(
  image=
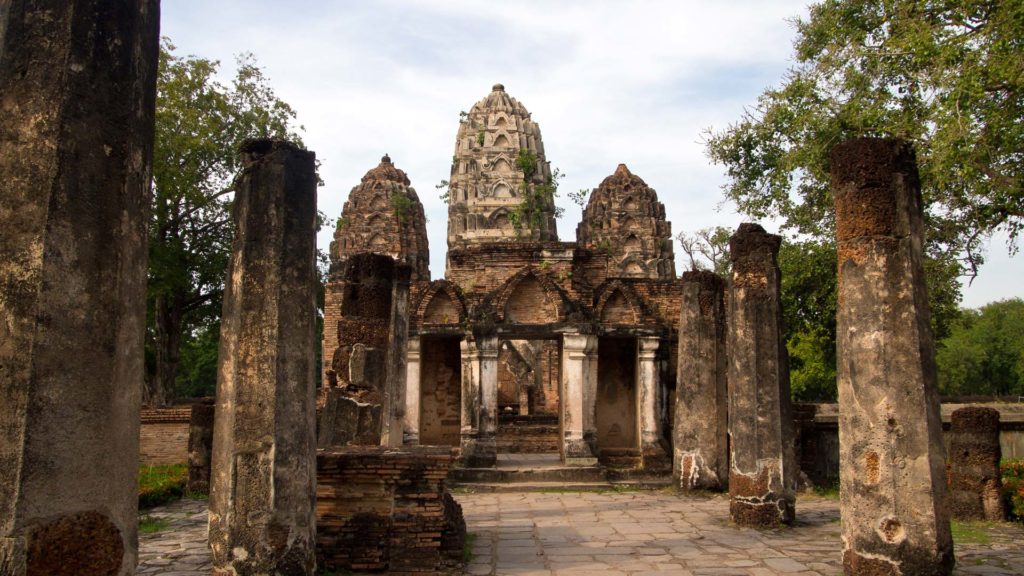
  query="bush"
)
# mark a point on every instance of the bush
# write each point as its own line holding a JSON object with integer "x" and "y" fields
{"x": 1013, "y": 486}
{"x": 161, "y": 484}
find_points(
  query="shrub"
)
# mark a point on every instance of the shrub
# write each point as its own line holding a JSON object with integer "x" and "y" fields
{"x": 1013, "y": 486}
{"x": 161, "y": 484}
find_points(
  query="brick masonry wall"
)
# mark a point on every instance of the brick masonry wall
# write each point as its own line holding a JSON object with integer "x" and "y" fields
{"x": 163, "y": 436}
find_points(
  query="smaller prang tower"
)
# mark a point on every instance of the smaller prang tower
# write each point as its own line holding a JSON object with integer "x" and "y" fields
{"x": 383, "y": 215}
{"x": 625, "y": 220}
{"x": 486, "y": 183}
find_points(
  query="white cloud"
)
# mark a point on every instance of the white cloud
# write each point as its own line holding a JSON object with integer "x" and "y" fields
{"x": 608, "y": 82}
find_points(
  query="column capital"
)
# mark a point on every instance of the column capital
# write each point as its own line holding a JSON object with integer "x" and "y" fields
{"x": 579, "y": 343}
{"x": 648, "y": 347}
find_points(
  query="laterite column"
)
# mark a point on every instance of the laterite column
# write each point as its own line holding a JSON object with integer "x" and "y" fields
{"x": 263, "y": 489}
{"x": 891, "y": 458}
{"x": 762, "y": 474}
{"x": 700, "y": 434}
{"x": 975, "y": 483}
{"x": 77, "y": 99}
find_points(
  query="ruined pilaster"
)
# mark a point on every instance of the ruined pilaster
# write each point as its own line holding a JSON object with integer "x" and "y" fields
{"x": 394, "y": 398}
{"x": 413, "y": 393}
{"x": 975, "y": 483}
{"x": 579, "y": 385}
{"x": 762, "y": 474}
{"x": 264, "y": 463}
{"x": 700, "y": 435}
{"x": 892, "y": 463}
{"x": 651, "y": 450}
{"x": 77, "y": 93}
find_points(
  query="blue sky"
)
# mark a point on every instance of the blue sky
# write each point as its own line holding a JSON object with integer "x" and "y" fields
{"x": 608, "y": 82}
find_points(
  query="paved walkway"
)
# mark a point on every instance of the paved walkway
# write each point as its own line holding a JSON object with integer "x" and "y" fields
{"x": 611, "y": 533}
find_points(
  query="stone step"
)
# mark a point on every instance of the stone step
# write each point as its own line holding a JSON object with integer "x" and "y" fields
{"x": 563, "y": 474}
{"x": 499, "y": 487}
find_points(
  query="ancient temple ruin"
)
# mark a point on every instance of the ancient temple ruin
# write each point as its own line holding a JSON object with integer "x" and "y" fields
{"x": 529, "y": 343}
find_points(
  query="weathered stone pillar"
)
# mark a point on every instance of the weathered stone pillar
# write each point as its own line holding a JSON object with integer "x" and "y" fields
{"x": 651, "y": 450}
{"x": 200, "y": 446}
{"x": 413, "y": 393}
{"x": 393, "y": 406}
{"x": 700, "y": 434}
{"x": 264, "y": 462}
{"x": 77, "y": 93}
{"x": 479, "y": 401}
{"x": 577, "y": 396}
{"x": 976, "y": 486}
{"x": 487, "y": 348}
{"x": 762, "y": 474}
{"x": 892, "y": 462}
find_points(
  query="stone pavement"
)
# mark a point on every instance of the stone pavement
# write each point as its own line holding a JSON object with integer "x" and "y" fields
{"x": 611, "y": 533}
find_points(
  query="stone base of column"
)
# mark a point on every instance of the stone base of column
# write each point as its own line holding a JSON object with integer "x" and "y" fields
{"x": 921, "y": 563}
{"x": 771, "y": 511}
{"x": 410, "y": 438}
{"x": 654, "y": 457}
{"x": 692, "y": 472}
{"x": 577, "y": 452}
{"x": 755, "y": 502}
{"x": 479, "y": 452}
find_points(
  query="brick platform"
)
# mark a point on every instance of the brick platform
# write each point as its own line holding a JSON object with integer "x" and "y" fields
{"x": 384, "y": 509}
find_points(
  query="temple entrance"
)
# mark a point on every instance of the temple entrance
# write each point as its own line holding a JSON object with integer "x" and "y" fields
{"x": 529, "y": 371}
{"x": 441, "y": 390}
{"x": 616, "y": 406}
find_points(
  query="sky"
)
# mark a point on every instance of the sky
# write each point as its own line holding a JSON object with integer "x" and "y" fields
{"x": 635, "y": 82}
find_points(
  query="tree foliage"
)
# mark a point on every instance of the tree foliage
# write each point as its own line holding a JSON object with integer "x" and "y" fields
{"x": 948, "y": 76}
{"x": 200, "y": 123}
{"x": 984, "y": 353}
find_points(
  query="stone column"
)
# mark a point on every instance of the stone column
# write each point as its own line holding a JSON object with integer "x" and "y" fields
{"x": 762, "y": 474}
{"x": 264, "y": 462}
{"x": 413, "y": 393}
{"x": 651, "y": 451}
{"x": 487, "y": 348}
{"x": 892, "y": 461}
{"x": 77, "y": 93}
{"x": 479, "y": 448}
{"x": 589, "y": 405}
{"x": 579, "y": 385}
{"x": 700, "y": 434}
{"x": 976, "y": 486}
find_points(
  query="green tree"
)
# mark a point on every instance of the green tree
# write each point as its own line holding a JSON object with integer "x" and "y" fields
{"x": 808, "y": 297}
{"x": 200, "y": 123}
{"x": 945, "y": 75}
{"x": 808, "y": 271}
{"x": 984, "y": 353}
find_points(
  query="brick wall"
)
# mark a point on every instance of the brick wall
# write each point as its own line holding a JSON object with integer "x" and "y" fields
{"x": 163, "y": 436}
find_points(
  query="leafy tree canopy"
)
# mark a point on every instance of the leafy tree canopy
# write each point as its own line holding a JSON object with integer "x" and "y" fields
{"x": 984, "y": 353}
{"x": 947, "y": 75}
{"x": 200, "y": 123}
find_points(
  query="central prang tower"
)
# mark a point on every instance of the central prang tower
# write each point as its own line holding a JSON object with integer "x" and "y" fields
{"x": 487, "y": 183}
